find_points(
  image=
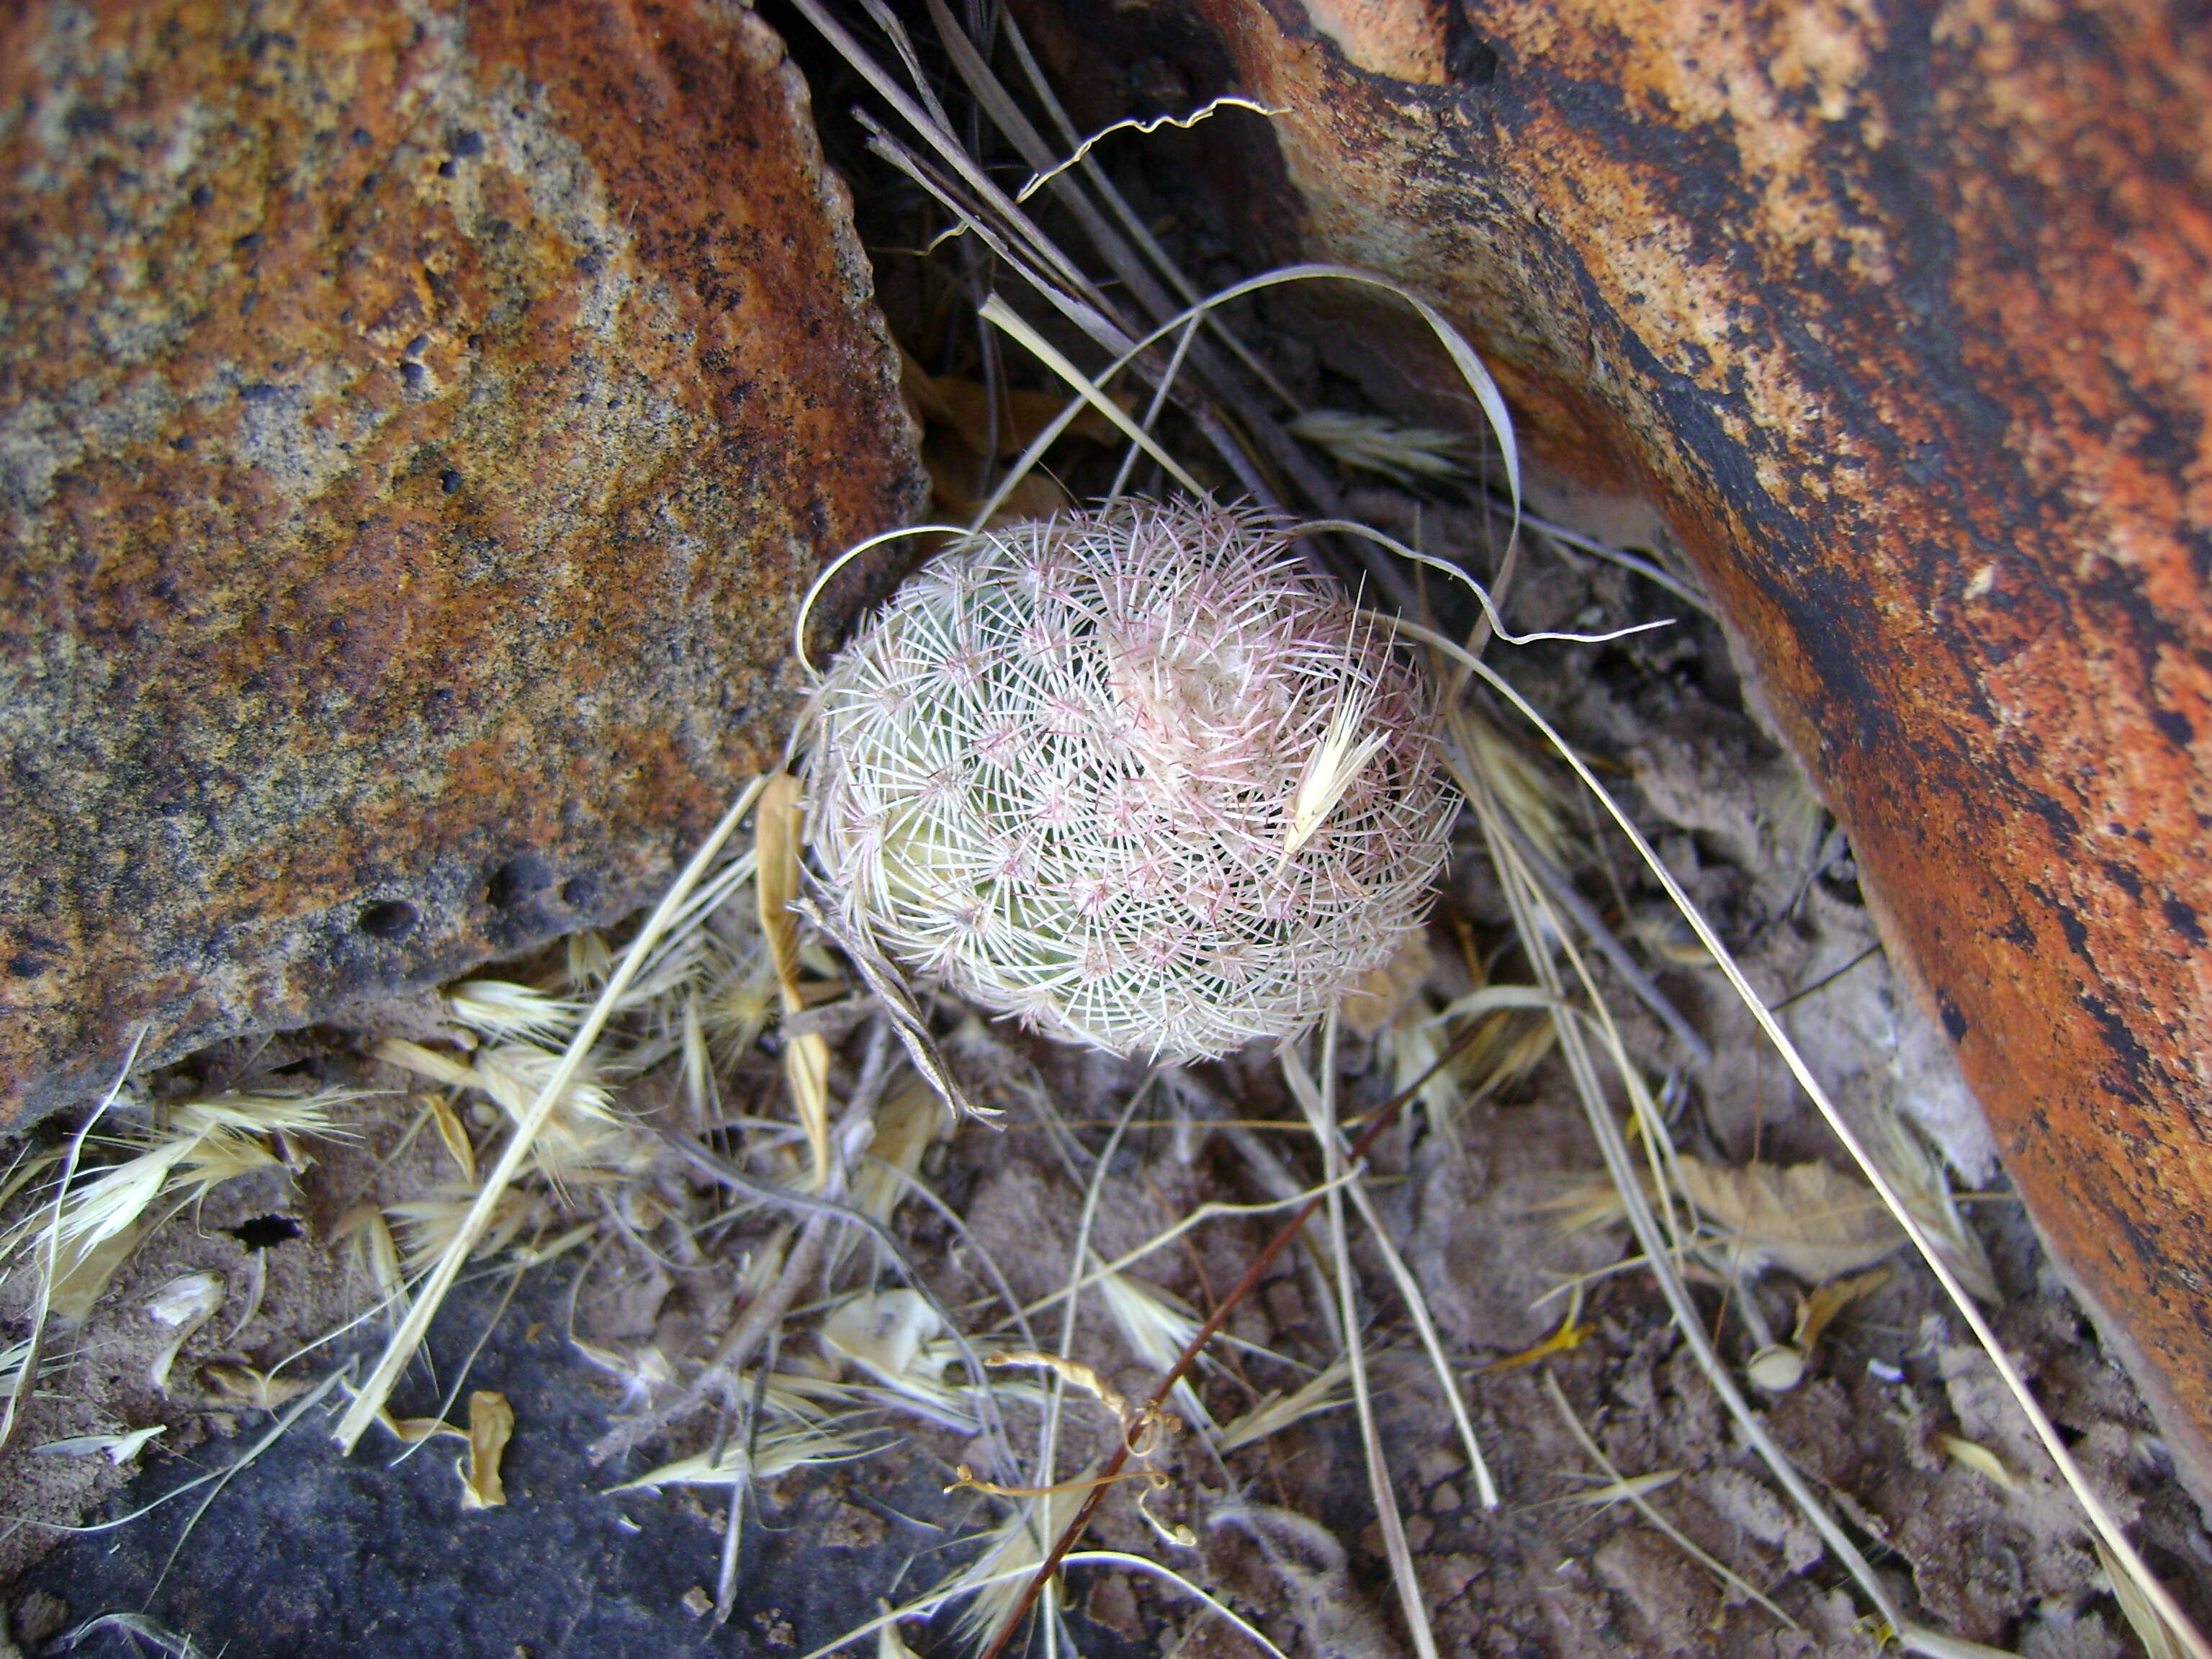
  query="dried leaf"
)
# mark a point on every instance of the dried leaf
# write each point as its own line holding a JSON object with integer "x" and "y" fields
{"x": 412, "y": 1431}
{"x": 1980, "y": 1459}
{"x": 881, "y": 1331}
{"x": 1817, "y": 1311}
{"x": 965, "y": 406}
{"x": 959, "y": 484}
{"x": 776, "y": 837}
{"x": 1806, "y": 1218}
{"x": 1071, "y": 1371}
{"x": 185, "y": 1304}
{"x": 119, "y": 1449}
{"x": 246, "y": 1386}
{"x": 491, "y": 1420}
{"x": 962, "y": 442}
{"x": 455, "y": 1136}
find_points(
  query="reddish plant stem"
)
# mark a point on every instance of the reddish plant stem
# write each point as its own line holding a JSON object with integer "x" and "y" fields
{"x": 1385, "y": 1116}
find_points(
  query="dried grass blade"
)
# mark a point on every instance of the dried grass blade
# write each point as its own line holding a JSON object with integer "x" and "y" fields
{"x": 454, "y": 1137}
{"x": 946, "y": 145}
{"x": 1203, "y": 1213}
{"x": 2100, "y": 1517}
{"x": 906, "y": 1018}
{"x": 1634, "y": 1491}
{"x": 776, "y": 836}
{"x": 376, "y": 1392}
{"x": 1322, "y": 1113}
{"x": 1140, "y": 241}
{"x": 1274, "y": 1413}
{"x": 1536, "y": 923}
{"x": 1169, "y": 1576}
{"x": 1409, "y": 1289}
{"x": 2151, "y": 1631}
{"x": 43, "y": 1304}
{"x": 996, "y": 311}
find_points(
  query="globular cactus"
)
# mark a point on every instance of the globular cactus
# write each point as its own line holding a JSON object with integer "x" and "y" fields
{"x": 1136, "y": 776}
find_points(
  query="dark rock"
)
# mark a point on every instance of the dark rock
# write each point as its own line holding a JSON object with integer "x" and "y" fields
{"x": 416, "y": 429}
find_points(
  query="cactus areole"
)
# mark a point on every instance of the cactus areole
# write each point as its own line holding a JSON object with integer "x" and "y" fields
{"x": 1137, "y": 776}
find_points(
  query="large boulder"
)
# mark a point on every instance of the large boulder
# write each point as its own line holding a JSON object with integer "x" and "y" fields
{"x": 416, "y": 425}
{"x": 1897, "y": 311}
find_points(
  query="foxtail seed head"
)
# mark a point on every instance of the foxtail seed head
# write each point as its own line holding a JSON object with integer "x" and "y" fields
{"x": 1135, "y": 775}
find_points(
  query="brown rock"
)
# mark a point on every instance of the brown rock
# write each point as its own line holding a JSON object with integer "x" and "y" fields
{"x": 1898, "y": 313}
{"x": 416, "y": 425}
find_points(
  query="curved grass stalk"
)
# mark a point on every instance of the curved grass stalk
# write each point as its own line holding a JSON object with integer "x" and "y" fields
{"x": 1652, "y": 573}
{"x": 823, "y": 579}
{"x": 43, "y": 1305}
{"x": 377, "y": 1391}
{"x": 1320, "y": 1105}
{"x": 1145, "y": 124}
{"x": 1629, "y": 1490}
{"x": 1487, "y": 396}
{"x": 2100, "y": 1517}
{"x": 1409, "y": 1290}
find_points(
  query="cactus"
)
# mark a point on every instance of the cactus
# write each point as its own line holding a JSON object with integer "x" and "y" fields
{"x": 1136, "y": 776}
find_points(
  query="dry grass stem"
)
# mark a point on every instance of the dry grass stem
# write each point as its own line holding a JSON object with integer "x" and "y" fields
{"x": 2045, "y": 1431}
{"x": 481, "y": 1212}
{"x": 1635, "y": 1491}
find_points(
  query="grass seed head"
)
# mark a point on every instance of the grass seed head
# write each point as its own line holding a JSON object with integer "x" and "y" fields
{"x": 1135, "y": 775}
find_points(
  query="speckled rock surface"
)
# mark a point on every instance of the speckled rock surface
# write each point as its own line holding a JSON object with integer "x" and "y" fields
{"x": 417, "y": 426}
{"x": 1897, "y": 310}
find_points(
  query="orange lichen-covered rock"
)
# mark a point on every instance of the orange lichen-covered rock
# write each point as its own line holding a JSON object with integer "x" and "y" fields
{"x": 416, "y": 425}
{"x": 1899, "y": 314}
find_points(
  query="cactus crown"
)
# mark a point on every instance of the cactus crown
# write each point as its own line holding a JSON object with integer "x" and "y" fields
{"x": 1134, "y": 775}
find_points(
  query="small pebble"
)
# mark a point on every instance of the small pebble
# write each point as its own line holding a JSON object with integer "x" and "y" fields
{"x": 1433, "y": 1463}
{"x": 1444, "y": 1500}
{"x": 697, "y": 1602}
